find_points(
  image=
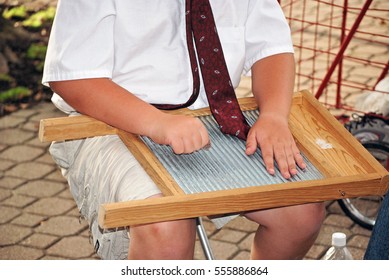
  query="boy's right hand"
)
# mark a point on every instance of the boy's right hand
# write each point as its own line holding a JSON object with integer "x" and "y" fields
{"x": 185, "y": 134}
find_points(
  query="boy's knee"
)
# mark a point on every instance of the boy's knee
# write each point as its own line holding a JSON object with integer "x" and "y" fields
{"x": 173, "y": 240}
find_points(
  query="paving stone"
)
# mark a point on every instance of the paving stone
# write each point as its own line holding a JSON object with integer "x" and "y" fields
{"x": 242, "y": 224}
{"x": 41, "y": 188}
{"x": 45, "y": 158}
{"x": 19, "y": 201}
{"x": 21, "y": 153}
{"x": 357, "y": 229}
{"x": 6, "y": 164}
{"x": 26, "y": 113}
{"x": 46, "y": 114}
{"x": 15, "y": 136}
{"x": 12, "y": 234}
{"x": 56, "y": 175}
{"x": 357, "y": 253}
{"x": 40, "y": 241}
{"x": 336, "y": 220}
{"x": 61, "y": 226}
{"x": 4, "y": 194}
{"x": 49, "y": 257}
{"x": 242, "y": 255}
{"x": 223, "y": 250}
{"x": 334, "y": 208}
{"x": 316, "y": 252}
{"x": 51, "y": 206}
{"x": 2, "y": 146}
{"x": 30, "y": 170}
{"x": 32, "y": 126}
{"x": 45, "y": 106}
{"x": 35, "y": 142}
{"x": 8, "y": 213}
{"x": 246, "y": 243}
{"x": 198, "y": 252}
{"x": 358, "y": 241}
{"x": 86, "y": 232}
{"x": 74, "y": 247}
{"x": 74, "y": 212}
{"x": 20, "y": 253}
{"x": 10, "y": 121}
{"x": 326, "y": 232}
{"x": 229, "y": 235}
{"x": 11, "y": 182}
{"x": 28, "y": 220}
{"x": 66, "y": 194}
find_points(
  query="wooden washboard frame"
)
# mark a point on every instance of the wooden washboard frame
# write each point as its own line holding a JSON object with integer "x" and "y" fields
{"x": 349, "y": 169}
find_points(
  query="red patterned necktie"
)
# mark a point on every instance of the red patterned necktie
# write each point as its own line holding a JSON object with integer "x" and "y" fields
{"x": 201, "y": 30}
{"x": 220, "y": 92}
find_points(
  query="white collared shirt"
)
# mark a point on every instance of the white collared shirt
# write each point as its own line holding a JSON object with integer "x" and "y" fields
{"x": 141, "y": 44}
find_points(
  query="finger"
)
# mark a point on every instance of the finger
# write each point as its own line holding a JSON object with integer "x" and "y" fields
{"x": 205, "y": 141}
{"x": 178, "y": 146}
{"x": 189, "y": 144}
{"x": 298, "y": 158}
{"x": 291, "y": 162}
{"x": 199, "y": 136}
{"x": 195, "y": 142}
{"x": 268, "y": 158}
{"x": 282, "y": 161}
{"x": 251, "y": 144}
{"x": 207, "y": 146}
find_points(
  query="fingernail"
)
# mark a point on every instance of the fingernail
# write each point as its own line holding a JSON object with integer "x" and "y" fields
{"x": 207, "y": 147}
{"x": 271, "y": 171}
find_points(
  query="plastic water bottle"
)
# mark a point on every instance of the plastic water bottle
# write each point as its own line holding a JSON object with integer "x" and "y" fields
{"x": 339, "y": 250}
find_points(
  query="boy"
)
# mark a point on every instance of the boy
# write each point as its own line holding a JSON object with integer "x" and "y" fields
{"x": 112, "y": 59}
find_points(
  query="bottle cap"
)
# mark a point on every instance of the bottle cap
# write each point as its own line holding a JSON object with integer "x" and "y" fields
{"x": 338, "y": 239}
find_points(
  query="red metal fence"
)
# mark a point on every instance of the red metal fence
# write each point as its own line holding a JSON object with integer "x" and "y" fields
{"x": 342, "y": 47}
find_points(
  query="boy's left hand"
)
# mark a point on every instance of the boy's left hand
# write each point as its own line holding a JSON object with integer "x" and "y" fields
{"x": 272, "y": 135}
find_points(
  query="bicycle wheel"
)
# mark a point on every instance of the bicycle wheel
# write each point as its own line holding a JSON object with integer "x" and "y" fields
{"x": 364, "y": 210}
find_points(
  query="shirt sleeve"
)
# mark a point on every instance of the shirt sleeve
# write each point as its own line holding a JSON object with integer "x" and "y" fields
{"x": 81, "y": 42}
{"x": 267, "y": 32}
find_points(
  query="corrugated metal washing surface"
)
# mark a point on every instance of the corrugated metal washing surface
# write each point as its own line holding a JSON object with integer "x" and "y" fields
{"x": 224, "y": 165}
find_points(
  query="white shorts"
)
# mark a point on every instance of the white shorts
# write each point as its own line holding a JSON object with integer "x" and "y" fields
{"x": 102, "y": 170}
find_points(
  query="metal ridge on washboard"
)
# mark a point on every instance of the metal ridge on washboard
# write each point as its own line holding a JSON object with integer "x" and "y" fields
{"x": 223, "y": 166}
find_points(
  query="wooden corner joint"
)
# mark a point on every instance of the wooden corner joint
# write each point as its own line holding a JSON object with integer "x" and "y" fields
{"x": 385, "y": 183}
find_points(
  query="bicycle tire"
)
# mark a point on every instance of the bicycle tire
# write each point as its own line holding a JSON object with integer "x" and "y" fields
{"x": 352, "y": 206}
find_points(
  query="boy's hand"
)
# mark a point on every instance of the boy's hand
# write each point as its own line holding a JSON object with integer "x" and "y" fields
{"x": 271, "y": 133}
{"x": 184, "y": 134}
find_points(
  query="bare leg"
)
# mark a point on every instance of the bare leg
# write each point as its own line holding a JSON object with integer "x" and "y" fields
{"x": 163, "y": 241}
{"x": 286, "y": 233}
{"x": 168, "y": 240}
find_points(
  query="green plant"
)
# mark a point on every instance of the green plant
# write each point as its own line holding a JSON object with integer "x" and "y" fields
{"x": 5, "y": 78}
{"x": 14, "y": 94}
{"x": 39, "y": 18}
{"x": 16, "y": 12}
{"x": 36, "y": 51}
